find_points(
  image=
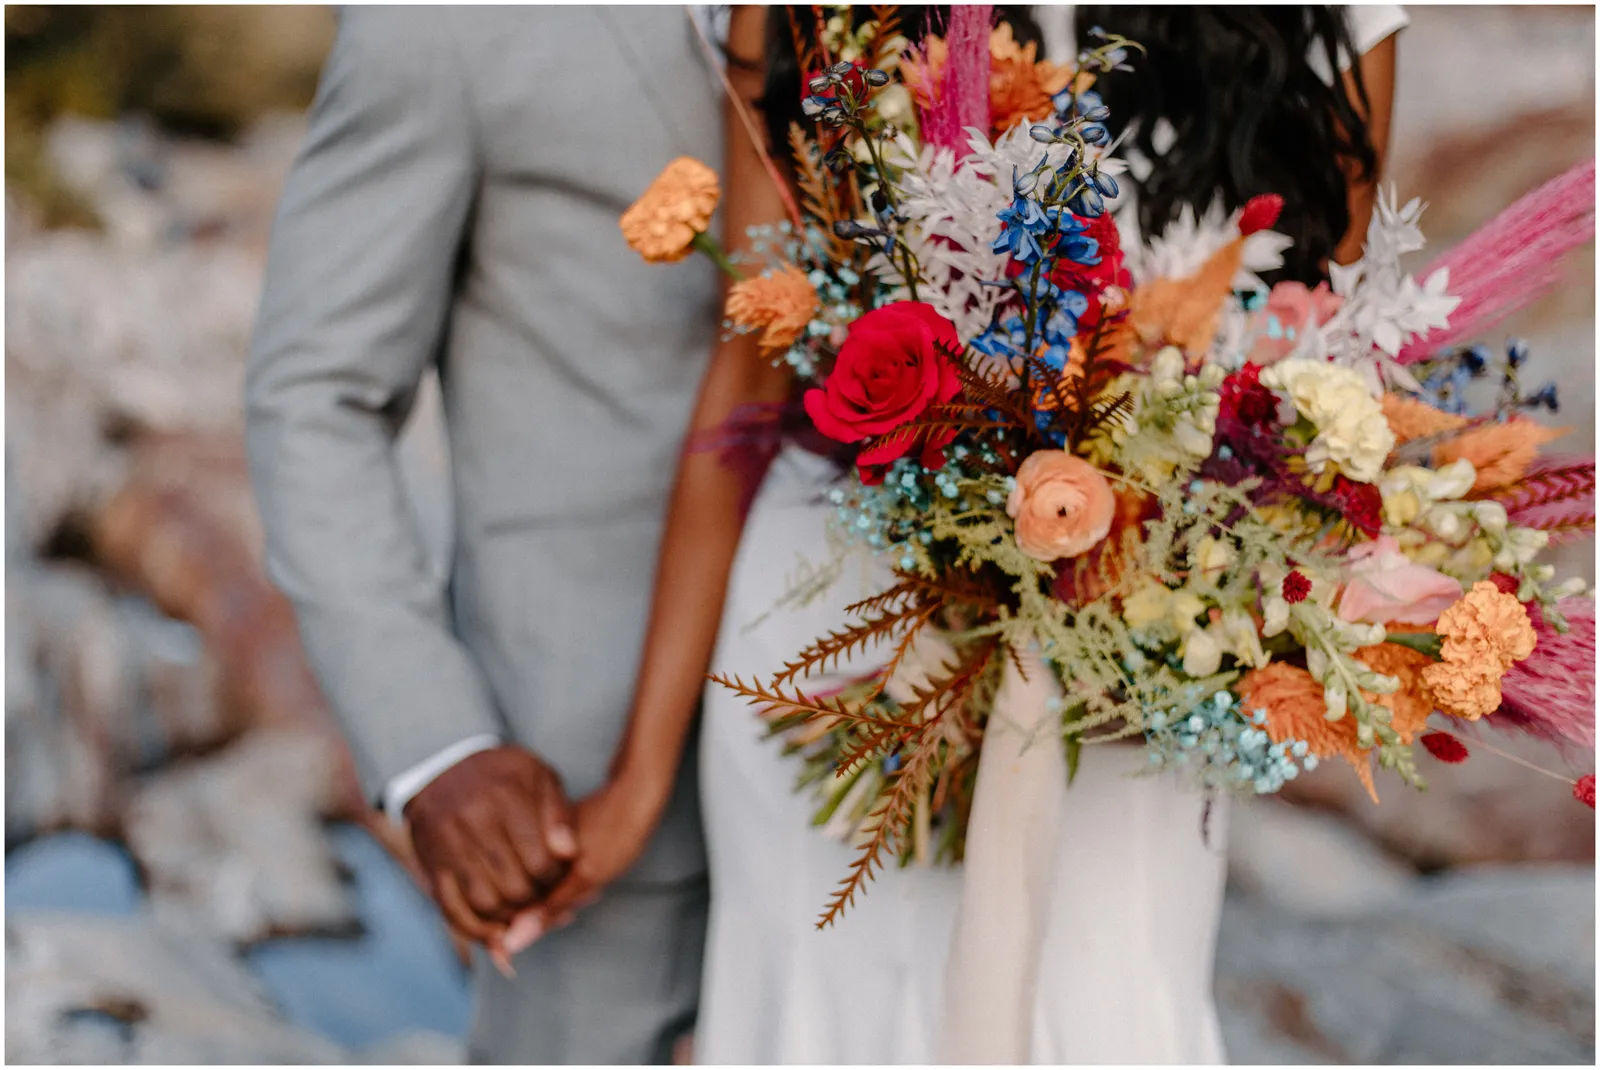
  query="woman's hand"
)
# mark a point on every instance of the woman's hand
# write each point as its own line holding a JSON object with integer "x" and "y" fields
{"x": 614, "y": 825}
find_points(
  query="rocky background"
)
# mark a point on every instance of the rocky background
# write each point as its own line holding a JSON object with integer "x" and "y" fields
{"x": 191, "y": 875}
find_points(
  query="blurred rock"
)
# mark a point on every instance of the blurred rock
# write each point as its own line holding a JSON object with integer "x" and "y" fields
{"x": 144, "y": 990}
{"x": 416, "y": 1049}
{"x": 1478, "y": 967}
{"x": 138, "y": 990}
{"x": 235, "y": 842}
{"x": 1484, "y": 810}
{"x": 68, "y": 688}
{"x": 1308, "y": 861}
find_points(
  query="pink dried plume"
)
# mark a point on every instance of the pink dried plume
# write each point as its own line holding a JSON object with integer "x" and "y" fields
{"x": 1556, "y": 495}
{"x": 1550, "y": 695}
{"x": 961, "y": 97}
{"x": 1512, "y": 260}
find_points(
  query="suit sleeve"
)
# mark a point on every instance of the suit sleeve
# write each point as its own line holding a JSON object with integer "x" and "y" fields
{"x": 358, "y": 290}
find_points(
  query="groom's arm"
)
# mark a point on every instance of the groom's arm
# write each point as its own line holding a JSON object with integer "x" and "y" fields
{"x": 359, "y": 285}
{"x": 358, "y": 289}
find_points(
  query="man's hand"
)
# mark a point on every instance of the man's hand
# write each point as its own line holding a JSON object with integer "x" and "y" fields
{"x": 493, "y": 834}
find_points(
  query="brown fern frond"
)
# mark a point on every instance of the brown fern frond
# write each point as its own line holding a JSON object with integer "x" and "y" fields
{"x": 1052, "y": 380}
{"x": 887, "y": 17}
{"x": 837, "y": 645}
{"x": 915, "y": 430}
{"x": 903, "y": 647}
{"x": 817, "y": 192}
{"x": 883, "y": 599}
{"x": 978, "y": 414}
{"x": 893, "y": 818}
{"x": 1102, "y": 412}
{"x": 872, "y": 742}
{"x": 985, "y": 389}
{"x": 952, "y": 587}
{"x": 800, "y": 703}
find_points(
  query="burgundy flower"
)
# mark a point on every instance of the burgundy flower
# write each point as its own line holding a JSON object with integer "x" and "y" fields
{"x": 1362, "y": 505}
{"x": 1245, "y": 400}
{"x": 1445, "y": 747}
{"x": 1295, "y": 587}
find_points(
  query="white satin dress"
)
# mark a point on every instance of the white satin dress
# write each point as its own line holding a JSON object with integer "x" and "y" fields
{"x": 1129, "y": 946}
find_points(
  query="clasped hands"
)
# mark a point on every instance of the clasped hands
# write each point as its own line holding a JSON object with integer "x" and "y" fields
{"x": 508, "y": 858}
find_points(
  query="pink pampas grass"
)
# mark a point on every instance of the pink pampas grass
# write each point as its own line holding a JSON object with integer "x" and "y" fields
{"x": 1550, "y": 695}
{"x": 1511, "y": 260}
{"x": 961, "y": 97}
{"x": 1556, "y": 495}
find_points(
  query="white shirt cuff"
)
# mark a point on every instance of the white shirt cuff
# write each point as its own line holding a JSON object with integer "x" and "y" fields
{"x": 403, "y": 788}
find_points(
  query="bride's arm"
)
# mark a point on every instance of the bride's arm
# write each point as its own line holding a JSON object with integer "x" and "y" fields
{"x": 1377, "y": 72}
{"x": 704, "y": 521}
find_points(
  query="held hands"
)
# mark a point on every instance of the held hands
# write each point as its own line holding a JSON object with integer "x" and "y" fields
{"x": 494, "y": 835}
{"x": 508, "y": 858}
{"x": 614, "y": 825}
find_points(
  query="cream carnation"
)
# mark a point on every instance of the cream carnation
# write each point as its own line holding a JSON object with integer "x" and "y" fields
{"x": 1351, "y": 429}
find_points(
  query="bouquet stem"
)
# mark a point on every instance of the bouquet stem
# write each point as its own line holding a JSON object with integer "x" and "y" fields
{"x": 705, "y": 243}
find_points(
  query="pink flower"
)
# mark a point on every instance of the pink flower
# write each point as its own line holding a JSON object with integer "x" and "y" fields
{"x": 1063, "y": 506}
{"x": 1384, "y": 586}
{"x": 1291, "y": 311}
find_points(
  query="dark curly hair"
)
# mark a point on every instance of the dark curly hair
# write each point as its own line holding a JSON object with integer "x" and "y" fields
{"x": 1249, "y": 111}
{"x": 1250, "y": 115}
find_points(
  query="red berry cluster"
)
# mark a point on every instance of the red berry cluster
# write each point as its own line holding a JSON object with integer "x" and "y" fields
{"x": 1295, "y": 587}
{"x": 1583, "y": 790}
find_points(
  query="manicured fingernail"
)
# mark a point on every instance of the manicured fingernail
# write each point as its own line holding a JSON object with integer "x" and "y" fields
{"x": 502, "y": 962}
{"x": 523, "y": 931}
{"x": 562, "y": 841}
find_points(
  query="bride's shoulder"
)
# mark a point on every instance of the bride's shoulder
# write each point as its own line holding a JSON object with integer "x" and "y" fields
{"x": 1372, "y": 23}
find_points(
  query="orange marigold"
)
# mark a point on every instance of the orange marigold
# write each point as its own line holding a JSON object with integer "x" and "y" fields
{"x": 1466, "y": 689}
{"x": 1411, "y": 418}
{"x": 1501, "y": 452}
{"x": 1486, "y": 625}
{"x": 1296, "y": 710}
{"x": 1410, "y": 705}
{"x": 661, "y": 225}
{"x": 1020, "y": 84}
{"x": 779, "y": 303}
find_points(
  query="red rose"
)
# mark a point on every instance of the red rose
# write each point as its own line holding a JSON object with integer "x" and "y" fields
{"x": 889, "y": 370}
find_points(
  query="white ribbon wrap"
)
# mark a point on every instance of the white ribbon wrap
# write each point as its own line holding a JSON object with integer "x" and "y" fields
{"x": 1008, "y": 873}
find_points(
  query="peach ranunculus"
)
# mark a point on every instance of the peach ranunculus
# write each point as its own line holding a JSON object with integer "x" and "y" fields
{"x": 781, "y": 303}
{"x": 1062, "y": 505}
{"x": 1384, "y": 586}
{"x": 661, "y": 226}
{"x": 1291, "y": 311}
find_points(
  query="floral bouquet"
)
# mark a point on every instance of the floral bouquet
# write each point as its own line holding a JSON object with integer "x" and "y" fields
{"x": 1127, "y": 490}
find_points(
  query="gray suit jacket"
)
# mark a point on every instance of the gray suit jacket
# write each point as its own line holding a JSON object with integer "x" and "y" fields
{"x": 455, "y": 205}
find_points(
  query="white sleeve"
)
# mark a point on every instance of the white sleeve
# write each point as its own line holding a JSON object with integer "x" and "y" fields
{"x": 1369, "y": 24}
{"x": 403, "y": 788}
